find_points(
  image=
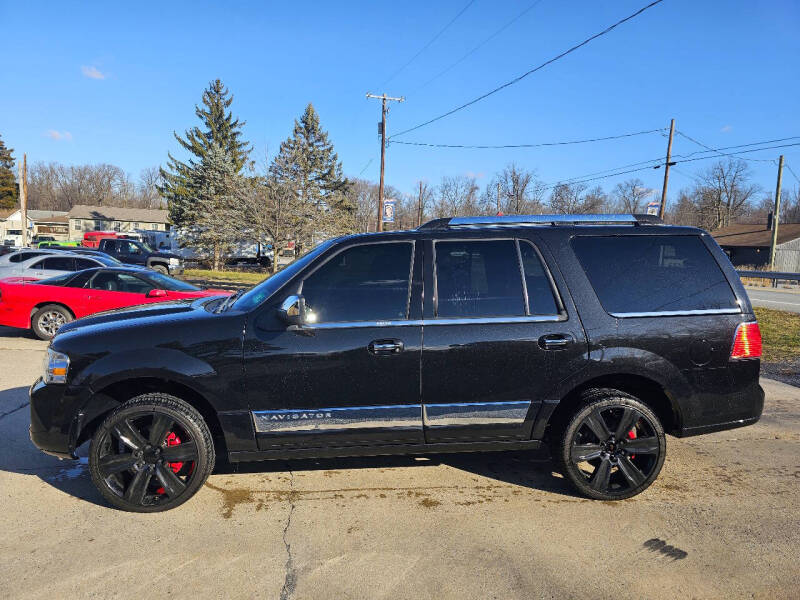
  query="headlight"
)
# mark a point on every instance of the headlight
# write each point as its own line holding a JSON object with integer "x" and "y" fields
{"x": 174, "y": 261}
{"x": 56, "y": 366}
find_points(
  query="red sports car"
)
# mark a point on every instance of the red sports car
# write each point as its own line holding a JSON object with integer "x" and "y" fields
{"x": 44, "y": 306}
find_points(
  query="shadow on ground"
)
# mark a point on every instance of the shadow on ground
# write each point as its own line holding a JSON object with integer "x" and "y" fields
{"x": 530, "y": 469}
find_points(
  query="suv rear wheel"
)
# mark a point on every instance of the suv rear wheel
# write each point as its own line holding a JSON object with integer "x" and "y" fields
{"x": 613, "y": 446}
{"x": 151, "y": 454}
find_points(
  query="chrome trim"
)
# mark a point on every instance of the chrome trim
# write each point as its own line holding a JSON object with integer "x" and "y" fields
{"x": 679, "y": 313}
{"x": 437, "y": 321}
{"x": 540, "y": 219}
{"x": 475, "y": 413}
{"x": 405, "y": 416}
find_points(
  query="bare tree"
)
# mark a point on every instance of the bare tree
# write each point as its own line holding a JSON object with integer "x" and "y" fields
{"x": 573, "y": 198}
{"x": 521, "y": 192}
{"x": 457, "y": 196}
{"x": 631, "y": 196}
{"x": 725, "y": 191}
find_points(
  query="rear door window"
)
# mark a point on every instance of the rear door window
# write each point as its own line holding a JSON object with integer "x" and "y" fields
{"x": 653, "y": 274}
{"x": 58, "y": 263}
{"x": 541, "y": 299}
{"x": 479, "y": 278}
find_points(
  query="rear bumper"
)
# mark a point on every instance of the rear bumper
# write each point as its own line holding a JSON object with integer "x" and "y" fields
{"x": 731, "y": 411}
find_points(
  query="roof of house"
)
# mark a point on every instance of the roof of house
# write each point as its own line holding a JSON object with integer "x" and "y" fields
{"x": 117, "y": 213}
{"x": 42, "y": 216}
{"x": 756, "y": 235}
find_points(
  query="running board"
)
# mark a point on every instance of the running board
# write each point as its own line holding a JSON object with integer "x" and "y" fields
{"x": 378, "y": 450}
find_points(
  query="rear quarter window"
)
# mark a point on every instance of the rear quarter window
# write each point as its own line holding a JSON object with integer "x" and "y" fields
{"x": 653, "y": 274}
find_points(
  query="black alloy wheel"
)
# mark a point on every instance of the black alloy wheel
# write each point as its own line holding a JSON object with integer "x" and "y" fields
{"x": 613, "y": 447}
{"x": 151, "y": 454}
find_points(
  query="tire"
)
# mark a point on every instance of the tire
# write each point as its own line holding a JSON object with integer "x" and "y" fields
{"x": 151, "y": 454}
{"x": 46, "y": 321}
{"x": 593, "y": 458}
{"x": 161, "y": 269}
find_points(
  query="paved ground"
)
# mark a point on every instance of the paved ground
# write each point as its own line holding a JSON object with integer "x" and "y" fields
{"x": 775, "y": 298}
{"x": 722, "y": 521}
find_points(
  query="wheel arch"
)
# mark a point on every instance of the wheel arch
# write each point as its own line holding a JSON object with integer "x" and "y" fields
{"x": 39, "y": 305}
{"x": 649, "y": 391}
{"x": 123, "y": 390}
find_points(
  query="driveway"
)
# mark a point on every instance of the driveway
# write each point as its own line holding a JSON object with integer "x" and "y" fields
{"x": 722, "y": 521}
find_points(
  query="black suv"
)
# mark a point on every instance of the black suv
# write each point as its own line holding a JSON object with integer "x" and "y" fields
{"x": 592, "y": 334}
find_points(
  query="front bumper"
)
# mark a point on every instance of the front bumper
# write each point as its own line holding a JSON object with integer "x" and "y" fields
{"x": 56, "y": 417}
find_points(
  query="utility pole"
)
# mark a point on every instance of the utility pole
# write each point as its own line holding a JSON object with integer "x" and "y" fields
{"x": 776, "y": 215}
{"x": 667, "y": 165}
{"x": 382, "y": 131}
{"x": 498, "y": 198}
{"x": 23, "y": 198}
{"x": 419, "y": 205}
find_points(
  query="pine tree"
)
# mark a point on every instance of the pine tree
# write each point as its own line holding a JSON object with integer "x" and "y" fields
{"x": 307, "y": 167}
{"x": 8, "y": 184}
{"x": 220, "y": 199}
{"x": 218, "y": 128}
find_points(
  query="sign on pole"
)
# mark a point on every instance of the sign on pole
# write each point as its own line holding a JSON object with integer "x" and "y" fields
{"x": 653, "y": 207}
{"x": 388, "y": 210}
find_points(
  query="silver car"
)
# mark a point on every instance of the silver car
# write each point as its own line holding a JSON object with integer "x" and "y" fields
{"x": 43, "y": 266}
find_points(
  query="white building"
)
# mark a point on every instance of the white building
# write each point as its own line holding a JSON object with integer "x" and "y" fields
{"x": 51, "y": 223}
{"x": 83, "y": 218}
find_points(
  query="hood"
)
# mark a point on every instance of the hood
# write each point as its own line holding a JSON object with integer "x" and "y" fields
{"x": 137, "y": 315}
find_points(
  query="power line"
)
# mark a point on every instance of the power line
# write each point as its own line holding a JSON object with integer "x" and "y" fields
{"x": 539, "y": 145}
{"x": 792, "y": 172}
{"x": 426, "y": 46}
{"x": 369, "y": 162}
{"x": 710, "y": 149}
{"x": 479, "y": 46}
{"x": 586, "y": 178}
{"x": 524, "y": 75}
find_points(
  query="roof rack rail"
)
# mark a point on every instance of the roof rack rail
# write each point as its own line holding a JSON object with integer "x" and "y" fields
{"x": 538, "y": 220}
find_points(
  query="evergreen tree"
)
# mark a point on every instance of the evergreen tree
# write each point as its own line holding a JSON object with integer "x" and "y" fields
{"x": 307, "y": 167}
{"x": 218, "y": 128}
{"x": 8, "y": 184}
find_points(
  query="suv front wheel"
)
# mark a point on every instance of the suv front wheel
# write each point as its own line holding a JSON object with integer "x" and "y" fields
{"x": 613, "y": 446}
{"x": 151, "y": 454}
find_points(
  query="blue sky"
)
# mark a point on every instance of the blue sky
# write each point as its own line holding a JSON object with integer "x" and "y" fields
{"x": 98, "y": 82}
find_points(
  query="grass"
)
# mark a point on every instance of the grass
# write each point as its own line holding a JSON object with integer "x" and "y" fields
{"x": 780, "y": 332}
{"x": 227, "y": 276}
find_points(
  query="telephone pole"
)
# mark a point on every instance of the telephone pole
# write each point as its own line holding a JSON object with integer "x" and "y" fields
{"x": 419, "y": 205}
{"x": 776, "y": 215}
{"x": 498, "y": 198}
{"x": 23, "y": 198}
{"x": 382, "y": 131}
{"x": 667, "y": 165}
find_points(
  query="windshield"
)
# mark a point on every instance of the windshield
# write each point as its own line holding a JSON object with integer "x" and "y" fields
{"x": 165, "y": 282}
{"x": 266, "y": 288}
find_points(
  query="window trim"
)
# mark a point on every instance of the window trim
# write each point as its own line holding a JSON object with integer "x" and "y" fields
{"x": 560, "y": 306}
{"x": 526, "y": 318}
{"x": 365, "y": 323}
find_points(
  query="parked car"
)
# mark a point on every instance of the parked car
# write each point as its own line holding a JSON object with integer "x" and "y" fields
{"x": 49, "y": 264}
{"x": 4, "y": 250}
{"x": 58, "y": 244}
{"x": 91, "y": 239}
{"x": 45, "y": 305}
{"x": 20, "y": 254}
{"x": 133, "y": 252}
{"x": 591, "y": 334}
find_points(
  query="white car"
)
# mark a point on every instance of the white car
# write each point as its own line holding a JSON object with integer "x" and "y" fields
{"x": 21, "y": 255}
{"x": 56, "y": 263}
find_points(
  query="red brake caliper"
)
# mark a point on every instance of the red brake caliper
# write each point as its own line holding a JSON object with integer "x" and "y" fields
{"x": 632, "y": 436}
{"x": 172, "y": 440}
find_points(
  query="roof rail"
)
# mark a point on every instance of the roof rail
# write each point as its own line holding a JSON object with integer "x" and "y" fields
{"x": 534, "y": 220}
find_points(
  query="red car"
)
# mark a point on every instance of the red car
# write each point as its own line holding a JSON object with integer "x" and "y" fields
{"x": 44, "y": 306}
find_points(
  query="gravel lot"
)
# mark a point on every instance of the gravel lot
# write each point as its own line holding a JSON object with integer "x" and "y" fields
{"x": 722, "y": 521}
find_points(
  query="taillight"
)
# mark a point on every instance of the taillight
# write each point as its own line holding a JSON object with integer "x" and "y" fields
{"x": 747, "y": 341}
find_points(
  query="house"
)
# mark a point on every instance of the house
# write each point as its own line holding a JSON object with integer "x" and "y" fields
{"x": 51, "y": 223}
{"x": 83, "y": 218}
{"x": 747, "y": 245}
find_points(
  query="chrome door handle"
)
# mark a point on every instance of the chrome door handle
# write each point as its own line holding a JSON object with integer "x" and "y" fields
{"x": 555, "y": 341}
{"x": 385, "y": 347}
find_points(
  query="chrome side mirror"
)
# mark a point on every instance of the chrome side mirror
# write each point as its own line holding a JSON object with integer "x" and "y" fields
{"x": 293, "y": 311}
